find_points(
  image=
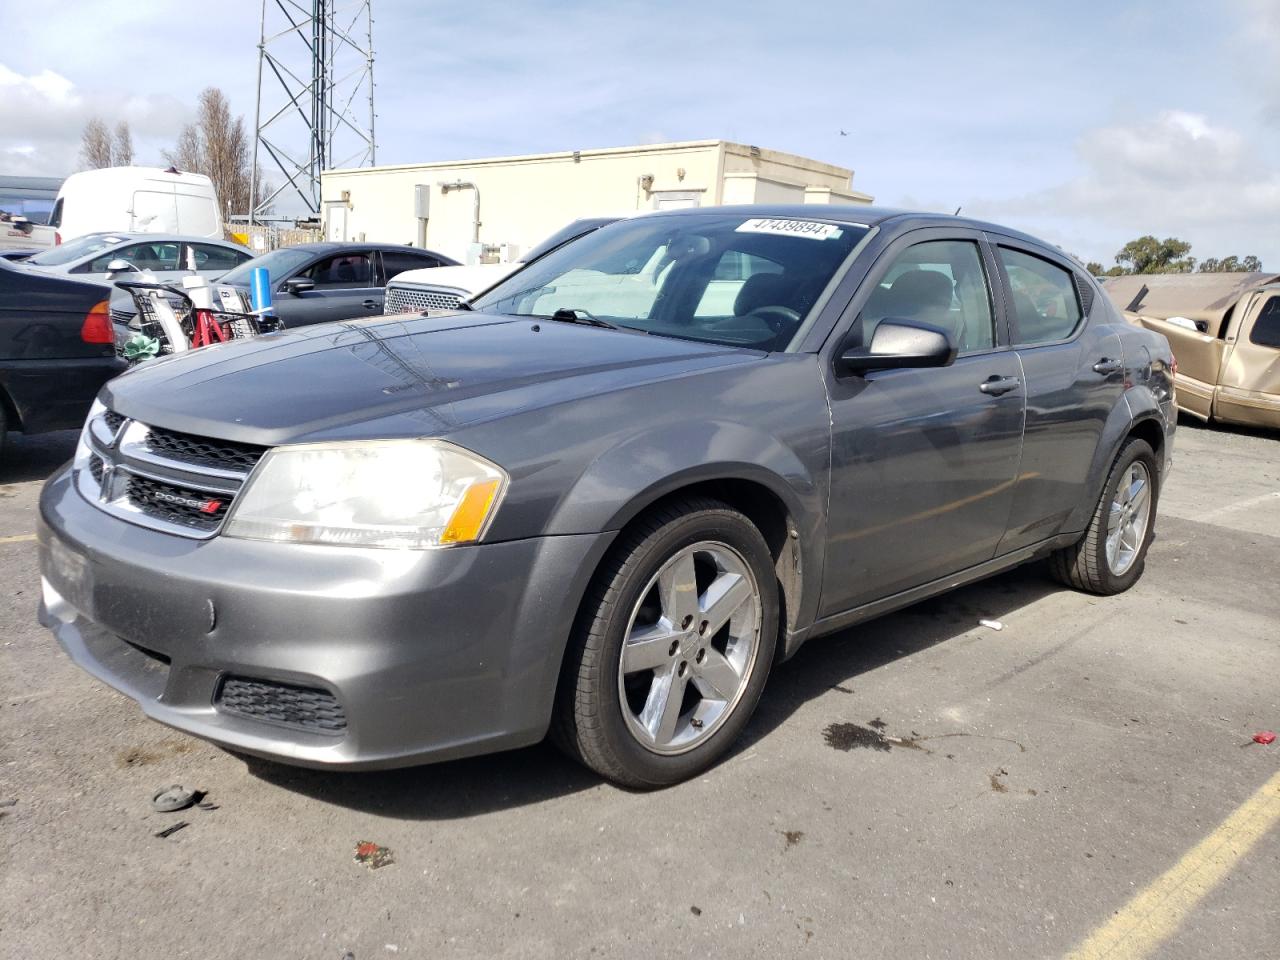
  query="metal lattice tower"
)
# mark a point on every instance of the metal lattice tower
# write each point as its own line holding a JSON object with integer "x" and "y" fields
{"x": 317, "y": 60}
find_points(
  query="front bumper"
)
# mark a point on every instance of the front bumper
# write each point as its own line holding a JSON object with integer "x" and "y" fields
{"x": 430, "y": 654}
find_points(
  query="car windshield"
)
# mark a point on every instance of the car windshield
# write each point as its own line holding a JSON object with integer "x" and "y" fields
{"x": 75, "y": 249}
{"x": 279, "y": 264}
{"x": 562, "y": 236}
{"x": 717, "y": 277}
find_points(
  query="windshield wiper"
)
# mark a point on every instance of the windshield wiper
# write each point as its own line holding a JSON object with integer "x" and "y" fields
{"x": 578, "y": 315}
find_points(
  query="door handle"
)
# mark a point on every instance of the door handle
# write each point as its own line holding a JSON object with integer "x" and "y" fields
{"x": 1107, "y": 366}
{"x": 371, "y": 304}
{"x": 996, "y": 386}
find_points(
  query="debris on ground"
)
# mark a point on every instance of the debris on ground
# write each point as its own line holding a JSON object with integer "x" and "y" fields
{"x": 1264, "y": 737}
{"x": 991, "y": 624}
{"x": 696, "y": 911}
{"x": 372, "y": 855}
{"x": 173, "y": 798}
{"x": 170, "y": 831}
{"x": 8, "y": 803}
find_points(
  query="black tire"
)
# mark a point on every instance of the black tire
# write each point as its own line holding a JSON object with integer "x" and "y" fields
{"x": 589, "y": 723}
{"x": 1084, "y": 564}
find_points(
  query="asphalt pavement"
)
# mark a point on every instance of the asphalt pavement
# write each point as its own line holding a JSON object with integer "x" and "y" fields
{"x": 920, "y": 787}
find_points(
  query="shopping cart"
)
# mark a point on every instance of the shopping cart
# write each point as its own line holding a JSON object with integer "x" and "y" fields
{"x": 170, "y": 322}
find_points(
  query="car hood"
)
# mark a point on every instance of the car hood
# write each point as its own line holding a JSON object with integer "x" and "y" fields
{"x": 396, "y": 376}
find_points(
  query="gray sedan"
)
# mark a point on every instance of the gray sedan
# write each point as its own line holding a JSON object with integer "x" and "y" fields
{"x": 606, "y": 500}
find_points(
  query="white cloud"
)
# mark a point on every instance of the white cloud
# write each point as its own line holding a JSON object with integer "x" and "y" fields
{"x": 1177, "y": 173}
{"x": 42, "y": 115}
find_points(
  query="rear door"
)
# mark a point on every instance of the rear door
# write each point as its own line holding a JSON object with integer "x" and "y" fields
{"x": 1073, "y": 369}
{"x": 923, "y": 462}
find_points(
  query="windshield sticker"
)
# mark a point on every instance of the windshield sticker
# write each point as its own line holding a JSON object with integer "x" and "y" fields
{"x": 791, "y": 228}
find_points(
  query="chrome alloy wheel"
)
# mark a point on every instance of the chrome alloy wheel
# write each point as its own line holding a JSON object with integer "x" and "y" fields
{"x": 1128, "y": 518}
{"x": 690, "y": 648}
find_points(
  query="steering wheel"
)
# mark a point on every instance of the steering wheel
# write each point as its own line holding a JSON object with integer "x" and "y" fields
{"x": 780, "y": 319}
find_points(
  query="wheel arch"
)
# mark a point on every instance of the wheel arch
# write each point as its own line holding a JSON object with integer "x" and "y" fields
{"x": 1133, "y": 416}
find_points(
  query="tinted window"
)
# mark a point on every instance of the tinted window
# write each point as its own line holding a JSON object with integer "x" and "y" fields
{"x": 940, "y": 282}
{"x": 1266, "y": 329}
{"x": 344, "y": 271}
{"x": 210, "y": 257}
{"x": 654, "y": 274}
{"x": 1046, "y": 305}
{"x": 394, "y": 263}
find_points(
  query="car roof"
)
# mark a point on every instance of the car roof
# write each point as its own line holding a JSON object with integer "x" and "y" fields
{"x": 854, "y": 215}
{"x": 126, "y": 237}
{"x": 333, "y": 246}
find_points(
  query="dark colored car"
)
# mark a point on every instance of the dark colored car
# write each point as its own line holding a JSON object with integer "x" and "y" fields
{"x": 319, "y": 282}
{"x": 56, "y": 350}
{"x": 642, "y": 470}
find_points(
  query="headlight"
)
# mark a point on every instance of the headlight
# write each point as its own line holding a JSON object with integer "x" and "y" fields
{"x": 408, "y": 494}
{"x": 81, "y": 458}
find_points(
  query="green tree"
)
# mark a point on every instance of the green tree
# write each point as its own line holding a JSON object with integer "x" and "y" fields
{"x": 1250, "y": 264}
{"x": 1149, "y": 255}
{"x": 1095, "y": 268}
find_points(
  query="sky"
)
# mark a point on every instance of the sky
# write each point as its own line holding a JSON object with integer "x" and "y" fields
{"x": 1085, "y": 123}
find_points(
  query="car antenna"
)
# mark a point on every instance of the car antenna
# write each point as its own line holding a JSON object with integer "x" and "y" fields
{"x": 958, "y": 209}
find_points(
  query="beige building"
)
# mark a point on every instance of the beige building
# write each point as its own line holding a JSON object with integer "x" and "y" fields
{"x": 508, "y": 204}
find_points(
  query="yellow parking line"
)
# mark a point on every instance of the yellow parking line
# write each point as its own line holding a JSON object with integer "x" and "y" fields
{"x": 1155, "y": 914}
{"x": 20, "y": 538}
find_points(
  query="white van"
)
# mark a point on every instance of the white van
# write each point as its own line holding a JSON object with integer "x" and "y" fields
{"x": 136, "y": 200}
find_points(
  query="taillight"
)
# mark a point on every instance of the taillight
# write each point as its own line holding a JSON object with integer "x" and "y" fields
{"x": 97, "y": 324}
{"x": 57, "y": 239}
{"x": 1173, "y": 367}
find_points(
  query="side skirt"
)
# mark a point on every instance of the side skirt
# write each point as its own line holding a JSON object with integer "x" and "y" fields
{"x": 877, "y": 608}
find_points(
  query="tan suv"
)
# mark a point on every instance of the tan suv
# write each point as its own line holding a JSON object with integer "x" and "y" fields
{"x": 1225, "y": 332}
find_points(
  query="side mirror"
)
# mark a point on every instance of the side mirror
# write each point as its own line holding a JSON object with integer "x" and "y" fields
{"x": 298, "y": 285}
{"x": 900, "y": 343}
{"x": 119, "y": 265}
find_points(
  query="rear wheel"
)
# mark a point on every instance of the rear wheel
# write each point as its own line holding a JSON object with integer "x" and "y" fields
{"x": 1109, "y": 558}
{"x": 673, "y": 648}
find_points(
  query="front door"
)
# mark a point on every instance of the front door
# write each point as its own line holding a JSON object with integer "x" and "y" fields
{"x": 922, "y": 461}
{"x": 346, "y": 287}
{"x": 1250, "y": 379}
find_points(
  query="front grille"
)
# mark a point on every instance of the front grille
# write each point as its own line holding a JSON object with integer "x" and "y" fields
{"x": 203, "y": 452}
{"x": 406, "y": 299}
{"x": 305, "y": 708}
{"x": 176, "y": 504}
{"x": 163, "y": 479}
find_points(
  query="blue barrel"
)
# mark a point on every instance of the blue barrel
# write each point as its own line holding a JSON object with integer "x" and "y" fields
{"x": 260, "y": 291}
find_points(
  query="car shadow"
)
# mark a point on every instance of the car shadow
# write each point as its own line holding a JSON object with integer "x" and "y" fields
{"x": 37, "y": 457}
{"x": 1187, "y": 422}
{"x": 464, "y": 788}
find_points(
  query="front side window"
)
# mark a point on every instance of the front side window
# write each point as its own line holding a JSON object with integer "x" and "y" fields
{"x": 1046, "y": 305}
{"x": 716, "y": 277}
{"x": 939, "y": 282}
{"x": 144, "y": 256}
{"x": 1266, "y": 329}
{"x": 279, "y": 265}
{"x": 345, "y": 271}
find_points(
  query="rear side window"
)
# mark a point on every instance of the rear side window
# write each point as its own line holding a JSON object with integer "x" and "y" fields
{"x": 1046, "y": 302}
{"x": 144, "y": 256}
{"x": 1266, "y": 329}
{"x": 210, "y": 257}
{"x": 396, "y": 263}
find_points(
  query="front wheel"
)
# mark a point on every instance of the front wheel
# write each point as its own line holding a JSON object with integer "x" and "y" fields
{"x": 1109, "y": 558}
{"x": 673, "y": 647}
